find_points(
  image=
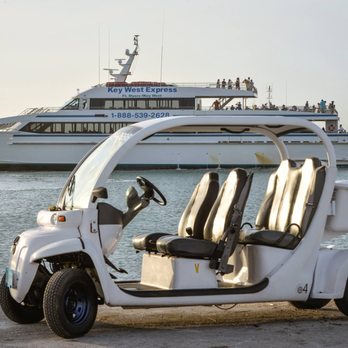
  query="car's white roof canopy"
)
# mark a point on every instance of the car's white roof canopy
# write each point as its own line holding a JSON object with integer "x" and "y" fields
{"x": 94, "y": 170}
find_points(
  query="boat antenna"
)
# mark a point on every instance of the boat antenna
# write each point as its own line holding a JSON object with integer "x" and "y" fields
{"x": 99, "y": 54}
{"x": 125, "y": 71}
{"x": 162, "y": 47}
{"x": 109, "y": 48}
{"x": 269, "y": 95}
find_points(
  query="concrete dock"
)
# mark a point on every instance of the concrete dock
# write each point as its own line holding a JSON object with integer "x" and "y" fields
{"x": 247, "y": 325}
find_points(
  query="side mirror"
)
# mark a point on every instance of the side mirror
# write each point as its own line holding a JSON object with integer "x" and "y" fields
{"x": 99, "y": 192}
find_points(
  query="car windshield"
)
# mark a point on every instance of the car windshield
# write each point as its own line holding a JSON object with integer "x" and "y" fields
{"x": 78, "y": 190}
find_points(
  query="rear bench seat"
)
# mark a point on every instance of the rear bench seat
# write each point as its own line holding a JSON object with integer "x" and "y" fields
{"x": 292, "y": 196}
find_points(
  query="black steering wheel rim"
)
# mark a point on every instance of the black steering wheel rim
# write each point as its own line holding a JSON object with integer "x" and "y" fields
{"x": 150, "y": 189}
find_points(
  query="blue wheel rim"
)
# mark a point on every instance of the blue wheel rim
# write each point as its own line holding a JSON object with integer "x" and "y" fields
{"x": 76, "y": 305}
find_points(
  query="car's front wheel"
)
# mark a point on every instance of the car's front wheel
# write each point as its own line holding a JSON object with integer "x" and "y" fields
{"x": 70, "y": 303}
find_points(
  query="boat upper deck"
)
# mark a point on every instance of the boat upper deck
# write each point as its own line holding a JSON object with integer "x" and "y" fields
{"x": 153, "y": 90}
{"x": 123, "y": 100}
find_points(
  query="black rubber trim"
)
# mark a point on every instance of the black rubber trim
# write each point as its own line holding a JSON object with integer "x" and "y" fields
{"x": 82, "y": 243}
{"x": 198, "y": 292}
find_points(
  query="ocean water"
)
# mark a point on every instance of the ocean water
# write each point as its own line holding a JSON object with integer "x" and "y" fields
{"x": 23, "y": 194}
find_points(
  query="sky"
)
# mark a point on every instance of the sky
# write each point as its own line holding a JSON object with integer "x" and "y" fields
{"x": 51, "y": 48}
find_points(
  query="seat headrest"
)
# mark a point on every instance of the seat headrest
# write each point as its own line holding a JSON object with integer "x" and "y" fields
{"x": 314, "y": 161}
{"x": 210, "y": 176}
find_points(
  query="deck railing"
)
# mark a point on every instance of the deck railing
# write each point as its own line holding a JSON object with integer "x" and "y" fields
{"x": 243, "y": 86}
{"x": 294, "y": 108}
{"x": 39, "y": 110}
{"x": 290, "y": 108}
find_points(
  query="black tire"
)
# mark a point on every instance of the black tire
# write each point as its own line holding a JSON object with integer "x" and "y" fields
{"x": 20, "y": 313}
{"x": 312, "y": 303}
{"x": 342, "y": 303}
{"x": 70, "y": 303}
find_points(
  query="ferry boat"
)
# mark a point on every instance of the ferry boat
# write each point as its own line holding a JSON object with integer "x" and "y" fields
{"x": 57, "y": 138}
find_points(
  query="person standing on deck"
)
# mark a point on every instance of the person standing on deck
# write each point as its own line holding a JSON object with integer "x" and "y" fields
{"x": 237, "y": 83}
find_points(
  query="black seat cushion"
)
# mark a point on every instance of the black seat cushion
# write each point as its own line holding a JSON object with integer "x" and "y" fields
{"x": 186, "y": 247}
{"x": 271, "y": 238}
{"x": 147, "y": 241}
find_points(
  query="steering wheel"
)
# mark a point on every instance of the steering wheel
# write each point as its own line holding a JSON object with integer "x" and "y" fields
{"x": 150, "y": 189}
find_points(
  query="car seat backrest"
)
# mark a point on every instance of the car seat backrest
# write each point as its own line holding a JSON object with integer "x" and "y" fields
{"x": 221, "y": 213}
{"x": 308, "y": 195}
{"x": 272, "y": 202}
{"x": 291, "y": 197}
{"x": 286, "y": 191}
{"x": 197, "y": 210}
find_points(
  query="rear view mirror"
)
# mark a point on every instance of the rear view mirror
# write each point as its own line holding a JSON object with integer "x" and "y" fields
{"x": 99, "y": 192}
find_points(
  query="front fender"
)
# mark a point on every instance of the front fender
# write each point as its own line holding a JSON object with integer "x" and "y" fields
{"x": 26, "y": 271}
{"x": 32, "y": 246}
{"x": 66, "y": 246}
{"x": 331, "y": 274}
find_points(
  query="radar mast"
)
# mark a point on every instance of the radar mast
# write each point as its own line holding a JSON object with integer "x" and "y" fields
{"x": 125, "y": 71}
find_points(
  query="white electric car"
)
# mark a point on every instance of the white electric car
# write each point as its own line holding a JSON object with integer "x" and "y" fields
{"x": 60, "y": 269}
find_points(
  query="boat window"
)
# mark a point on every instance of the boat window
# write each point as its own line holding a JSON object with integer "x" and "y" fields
{"x": 109, "y": 104}
{"x": 153, "y": 104}
{"x": 67, "y": 128}
{"x": 141, "y": 104}
{"x": 74, "y": 127}
{"x": 97, "y": 104}
{"x": 57, "y": 128}
{"x": 77, "y": 127}
{"x": 41, "y": 127}
{"x": 128, "y": 104}
{"x": 38, "y": 127}
{"x": 187, "y": 103}
{"x": 6, "y": 126}
{"x": 118, "y": 104}
{"x": 165, "y": 104}
{"x": 73, "y": 105}
{"x": 93, "y": 127}
{"x": 106, "y": 128}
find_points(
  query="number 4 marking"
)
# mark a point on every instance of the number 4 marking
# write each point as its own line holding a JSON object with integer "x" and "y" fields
{"x": 304, "y": 289}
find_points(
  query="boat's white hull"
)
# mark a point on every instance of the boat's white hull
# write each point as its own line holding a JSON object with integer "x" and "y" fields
{"x": 58, "y": 152}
